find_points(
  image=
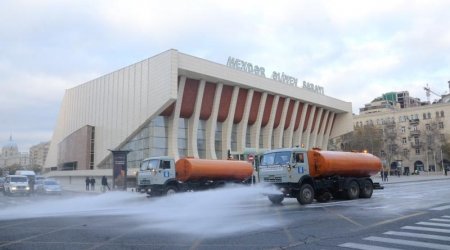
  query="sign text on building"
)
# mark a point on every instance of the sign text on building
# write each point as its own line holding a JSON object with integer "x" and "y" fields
{"x": 277, "y": 76}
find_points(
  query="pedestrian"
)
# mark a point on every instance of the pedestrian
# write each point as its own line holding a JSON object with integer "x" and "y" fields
{"x": 385, "y": 176}
{"x": 88, "y": 182}
{"x": 92, "y": 184}
{"x": 382, "y": 175}
{"x": 446, "y": 169}
{"x": 105, "y": 184}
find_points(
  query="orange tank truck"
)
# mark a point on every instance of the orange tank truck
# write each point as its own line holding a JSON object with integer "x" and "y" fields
{"x": 314, "y": 174}
{"x": 329, "y": 163}
{"x": 163, "y": 176}
{"x": 190, "y": 169}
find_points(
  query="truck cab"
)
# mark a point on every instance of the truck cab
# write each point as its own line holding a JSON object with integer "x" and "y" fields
{"x": 16, "y": 184}
{"x": 283, "y": 166}
{"x": 156, "y": 174}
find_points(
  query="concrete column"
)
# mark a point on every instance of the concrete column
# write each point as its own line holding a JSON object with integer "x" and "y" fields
{"x": 319, "y": 142}
{"x": 316, "y": 128}
{"x": 211, "y": 125}
{"x": 307, "y": 134}
{"x": 268, "y": 129}
{"x": 299, "y": 132}
{"x": 328, "y": 132}
{"x": 192, "y": 149}
{"x": 242, "y": 127}
{"x": 228, "y": 124}
{"x": 278, "y": 133}
{"x": 255, "y": 129}
{"x": 172, "y": 137}
{"x": 290, "y": 130}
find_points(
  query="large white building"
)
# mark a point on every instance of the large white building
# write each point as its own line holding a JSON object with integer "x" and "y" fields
{"x": 179, "y": 105}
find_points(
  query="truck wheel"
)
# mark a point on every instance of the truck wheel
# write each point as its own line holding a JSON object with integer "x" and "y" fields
{"x": 171, "y": 190}
{"x": 366, "y": 190}
{"x": 306, "y": 194}
{"x": 276, "y": 198}
{"x": 353, "y": 190}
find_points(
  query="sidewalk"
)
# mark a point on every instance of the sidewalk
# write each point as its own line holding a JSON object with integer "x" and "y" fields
{"x": 82, "y": 189}
{"x": 423, "y": 176}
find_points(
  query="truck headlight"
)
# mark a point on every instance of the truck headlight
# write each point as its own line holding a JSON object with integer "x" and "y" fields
{"x": 27, "y": 188}
{"x": 13, "y": 188}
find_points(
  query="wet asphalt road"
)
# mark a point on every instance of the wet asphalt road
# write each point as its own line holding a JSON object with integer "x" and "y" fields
{"x": 414, "y": 215}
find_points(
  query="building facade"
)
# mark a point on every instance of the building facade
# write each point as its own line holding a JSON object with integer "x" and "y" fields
{"x": 412, "y": 137}
{"x": 179, "y": 105}
{"x": 38, "y": 154}
{"x": 10, "y": 155}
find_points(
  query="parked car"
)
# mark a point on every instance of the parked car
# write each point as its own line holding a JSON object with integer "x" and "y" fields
{"x": 2, "y": 183}
{"x": 16, "y": 184}
{"x": 38, "y": 182}
{"x": 49, "y": 186}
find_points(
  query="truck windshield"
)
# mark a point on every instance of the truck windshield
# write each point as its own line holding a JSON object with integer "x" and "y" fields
{"x": 150, "y": 164}
{"x": 19, "y": 179}
{"x": 276, "y": 158}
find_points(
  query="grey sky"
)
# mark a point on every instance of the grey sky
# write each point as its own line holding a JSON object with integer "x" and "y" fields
{"x": 356, "y": 50}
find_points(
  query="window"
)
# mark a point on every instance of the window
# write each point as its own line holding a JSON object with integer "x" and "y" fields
{"x": 403, "y": 129}
{"x": 300, "y": 158}
{"x": 424, "y": 116}
{"x": 414, "y": 128}
{"x": 404, "y": 140}
{"x": 437, "y": 113}
{"x": 429, "y": 115}
{"x": 417, "y": 151}
{"x": 441, "y": 125}
{"x": 416, "y": 140}
{"x": 405, "y": 152}
{"x": 442, "y": 113}
{"x": 165, "y": 165}
{"x": 144, "y": 165}
{"x": 428, "y": 126}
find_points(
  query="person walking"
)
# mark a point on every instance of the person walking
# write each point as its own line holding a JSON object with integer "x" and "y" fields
{"x": 105, "y": 184}
{"x": 92, "y": 184}
{"x": 88, "y": 182}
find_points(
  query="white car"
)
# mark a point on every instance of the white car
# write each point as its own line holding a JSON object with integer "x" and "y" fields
{"x": 16, "y": 184}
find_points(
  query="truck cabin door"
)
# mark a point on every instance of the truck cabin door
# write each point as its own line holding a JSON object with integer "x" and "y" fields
{"x": 300, "y": 164}
{"x": 166, "y": 169}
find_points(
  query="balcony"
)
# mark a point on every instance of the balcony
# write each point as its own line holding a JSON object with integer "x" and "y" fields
{"x": 414, "y": 121}
{"x": 414, "y": 133}
{"x": 390, "y": 125}
{"x": 416, "y": 145}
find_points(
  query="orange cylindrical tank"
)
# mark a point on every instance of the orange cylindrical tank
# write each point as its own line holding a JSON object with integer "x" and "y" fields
{"x": 329, "y": 163}
{"x": 189, "y": 169}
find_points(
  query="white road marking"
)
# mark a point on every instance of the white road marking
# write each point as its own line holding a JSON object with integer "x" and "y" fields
{"x": 441, "y": 208}
{"x": 365, "y": 247}
{"x": 417, "y": 235}
{"x": 428, "y": 229}
{"x": 441, "y": 220}
{"x": 409, "y": 243}
{"x": 433, "y": 224}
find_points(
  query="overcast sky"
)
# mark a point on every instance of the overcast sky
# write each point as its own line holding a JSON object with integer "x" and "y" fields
{"x": 356, "y": 50}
